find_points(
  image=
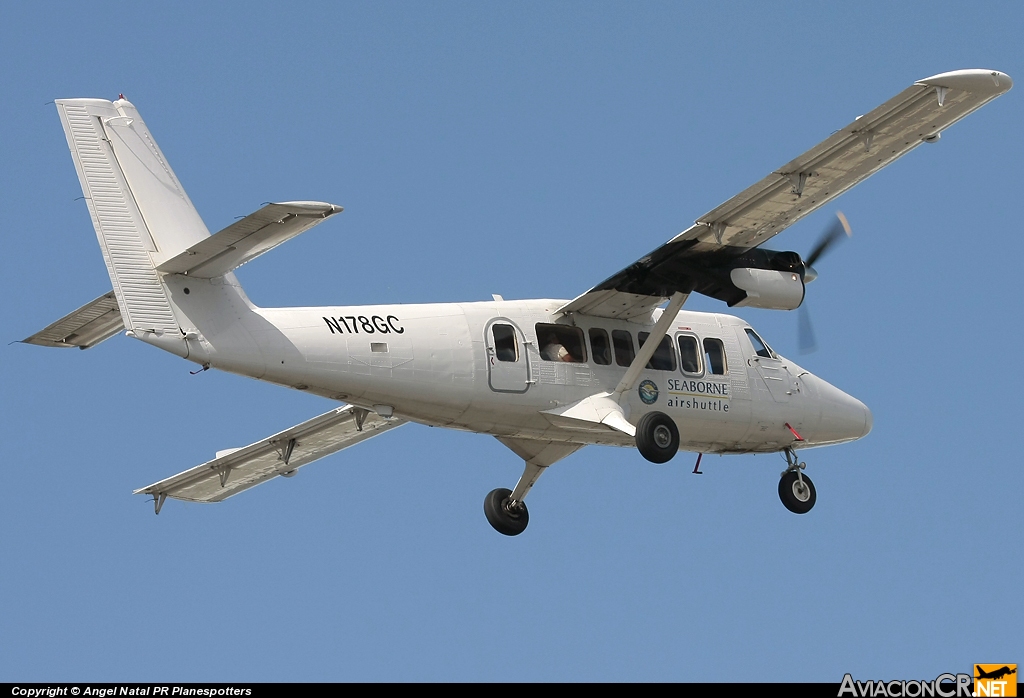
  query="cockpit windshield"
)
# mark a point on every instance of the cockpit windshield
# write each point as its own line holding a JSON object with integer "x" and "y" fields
{"x": 760, "y": 348}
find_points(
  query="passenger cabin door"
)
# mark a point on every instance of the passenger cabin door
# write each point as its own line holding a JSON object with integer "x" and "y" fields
{"x": 508, "y": 368}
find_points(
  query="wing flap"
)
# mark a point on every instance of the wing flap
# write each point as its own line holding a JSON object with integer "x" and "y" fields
{"x": 610, "y": 303}
{"x": 281, "y": 454}
{"x": 914, "y": 116}
{"x": 86, "y": 327}
{"x": 248, "y": 238}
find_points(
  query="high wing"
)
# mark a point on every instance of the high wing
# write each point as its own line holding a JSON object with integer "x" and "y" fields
{"x": 86, "y": 327}
{"x": 248, "y": 238}
{"x": 282, "y": 454}
{"x": 695, "y": 259}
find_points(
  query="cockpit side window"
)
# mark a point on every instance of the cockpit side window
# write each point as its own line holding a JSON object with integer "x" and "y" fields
{"x": 714, "y": 356}
{"x": 506, "y": 348}
{"x": 760, "y": 348}
{"x": 663, "y": 359}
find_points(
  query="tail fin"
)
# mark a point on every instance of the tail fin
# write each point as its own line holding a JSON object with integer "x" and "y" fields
{"x": 140, "y": 211}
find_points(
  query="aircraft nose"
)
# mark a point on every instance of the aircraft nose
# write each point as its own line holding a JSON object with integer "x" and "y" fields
{"x": 842, "y": 416}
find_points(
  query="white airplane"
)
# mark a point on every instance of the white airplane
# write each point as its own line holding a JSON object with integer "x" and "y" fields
{"x": 545, "y": 377}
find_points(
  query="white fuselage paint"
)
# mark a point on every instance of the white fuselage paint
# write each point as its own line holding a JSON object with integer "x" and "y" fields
{"x": 435, "y": 364}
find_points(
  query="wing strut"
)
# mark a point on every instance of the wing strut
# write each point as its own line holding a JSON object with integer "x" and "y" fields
{"x": 606, "y": 408}
{"x": 647, "y": 350}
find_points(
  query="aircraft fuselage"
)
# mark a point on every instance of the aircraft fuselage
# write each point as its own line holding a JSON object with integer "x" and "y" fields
{"x": 481, "y": 367}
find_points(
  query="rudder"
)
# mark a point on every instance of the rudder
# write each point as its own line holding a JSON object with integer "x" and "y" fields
{"x": 140, "y": 211}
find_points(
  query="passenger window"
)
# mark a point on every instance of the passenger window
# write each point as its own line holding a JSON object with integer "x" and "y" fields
{"x": 600, "y": 347}
{"x": 663, "y": 359}
{"x": 506, "y": 348}
{"x": 760, "y": 348}
{"x": 714, "y": 356}
{"x": 689, "y": 358}
{"x": 561, "y": 343}
{"x": 622, "y": 341}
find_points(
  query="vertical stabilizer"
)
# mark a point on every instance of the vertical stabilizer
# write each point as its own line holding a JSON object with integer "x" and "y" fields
{"x": 140, "y": 211}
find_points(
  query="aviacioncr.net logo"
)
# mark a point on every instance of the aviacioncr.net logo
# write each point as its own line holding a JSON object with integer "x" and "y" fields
{"x": 995, "y": 680}
{"x": 944, "y": 686}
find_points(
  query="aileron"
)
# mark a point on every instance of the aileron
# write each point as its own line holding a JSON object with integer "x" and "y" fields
{"x": 914, "y": 116}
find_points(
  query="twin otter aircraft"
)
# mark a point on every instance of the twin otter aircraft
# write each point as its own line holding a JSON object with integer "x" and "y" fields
{"x": 545, "y": 377}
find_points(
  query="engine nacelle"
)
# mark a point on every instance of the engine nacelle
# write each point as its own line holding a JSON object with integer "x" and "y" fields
{"x": 768, "y": 288}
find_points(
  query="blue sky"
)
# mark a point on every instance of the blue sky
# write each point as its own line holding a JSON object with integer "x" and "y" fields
{"x": 526, "y": 149}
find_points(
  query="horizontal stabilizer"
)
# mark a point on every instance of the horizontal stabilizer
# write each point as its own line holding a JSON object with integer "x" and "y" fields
{"x": 86, "y": 327}
{"x": 281, "y": 454}
{"x": 248, "y": 238}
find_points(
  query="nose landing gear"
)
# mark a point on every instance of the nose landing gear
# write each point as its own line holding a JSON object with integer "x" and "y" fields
{"x": 796, "y": 489}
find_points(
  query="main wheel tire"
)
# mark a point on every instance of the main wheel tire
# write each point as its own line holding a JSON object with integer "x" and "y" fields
{"x": 504, "y": 520}
{"x": 657, "y": 437}
{"x": 798, "y": 498}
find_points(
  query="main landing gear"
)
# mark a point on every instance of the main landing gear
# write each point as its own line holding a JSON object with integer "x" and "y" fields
{"x": 657, "y": 437}
{"x": 505, "y": 509}
{"x": 796, "y": 489}
{"x": 504, "y": 514}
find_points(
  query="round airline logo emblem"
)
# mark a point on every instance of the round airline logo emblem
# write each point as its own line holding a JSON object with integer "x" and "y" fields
{"x": 648, "y": 392}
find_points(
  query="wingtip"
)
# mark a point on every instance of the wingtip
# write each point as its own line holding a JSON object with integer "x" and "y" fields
{"x": 321, "y": 207}
{"x": 975, "y": 80}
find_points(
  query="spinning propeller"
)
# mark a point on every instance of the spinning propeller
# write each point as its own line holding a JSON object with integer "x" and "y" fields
{"x": 834, "y": 234}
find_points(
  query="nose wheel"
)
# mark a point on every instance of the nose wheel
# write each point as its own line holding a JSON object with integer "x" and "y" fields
{"x": 796, "y": 489}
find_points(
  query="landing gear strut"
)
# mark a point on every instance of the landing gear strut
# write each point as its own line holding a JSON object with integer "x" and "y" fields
{"x": 796, "y": 489}
{"x": 505, "y": 509}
